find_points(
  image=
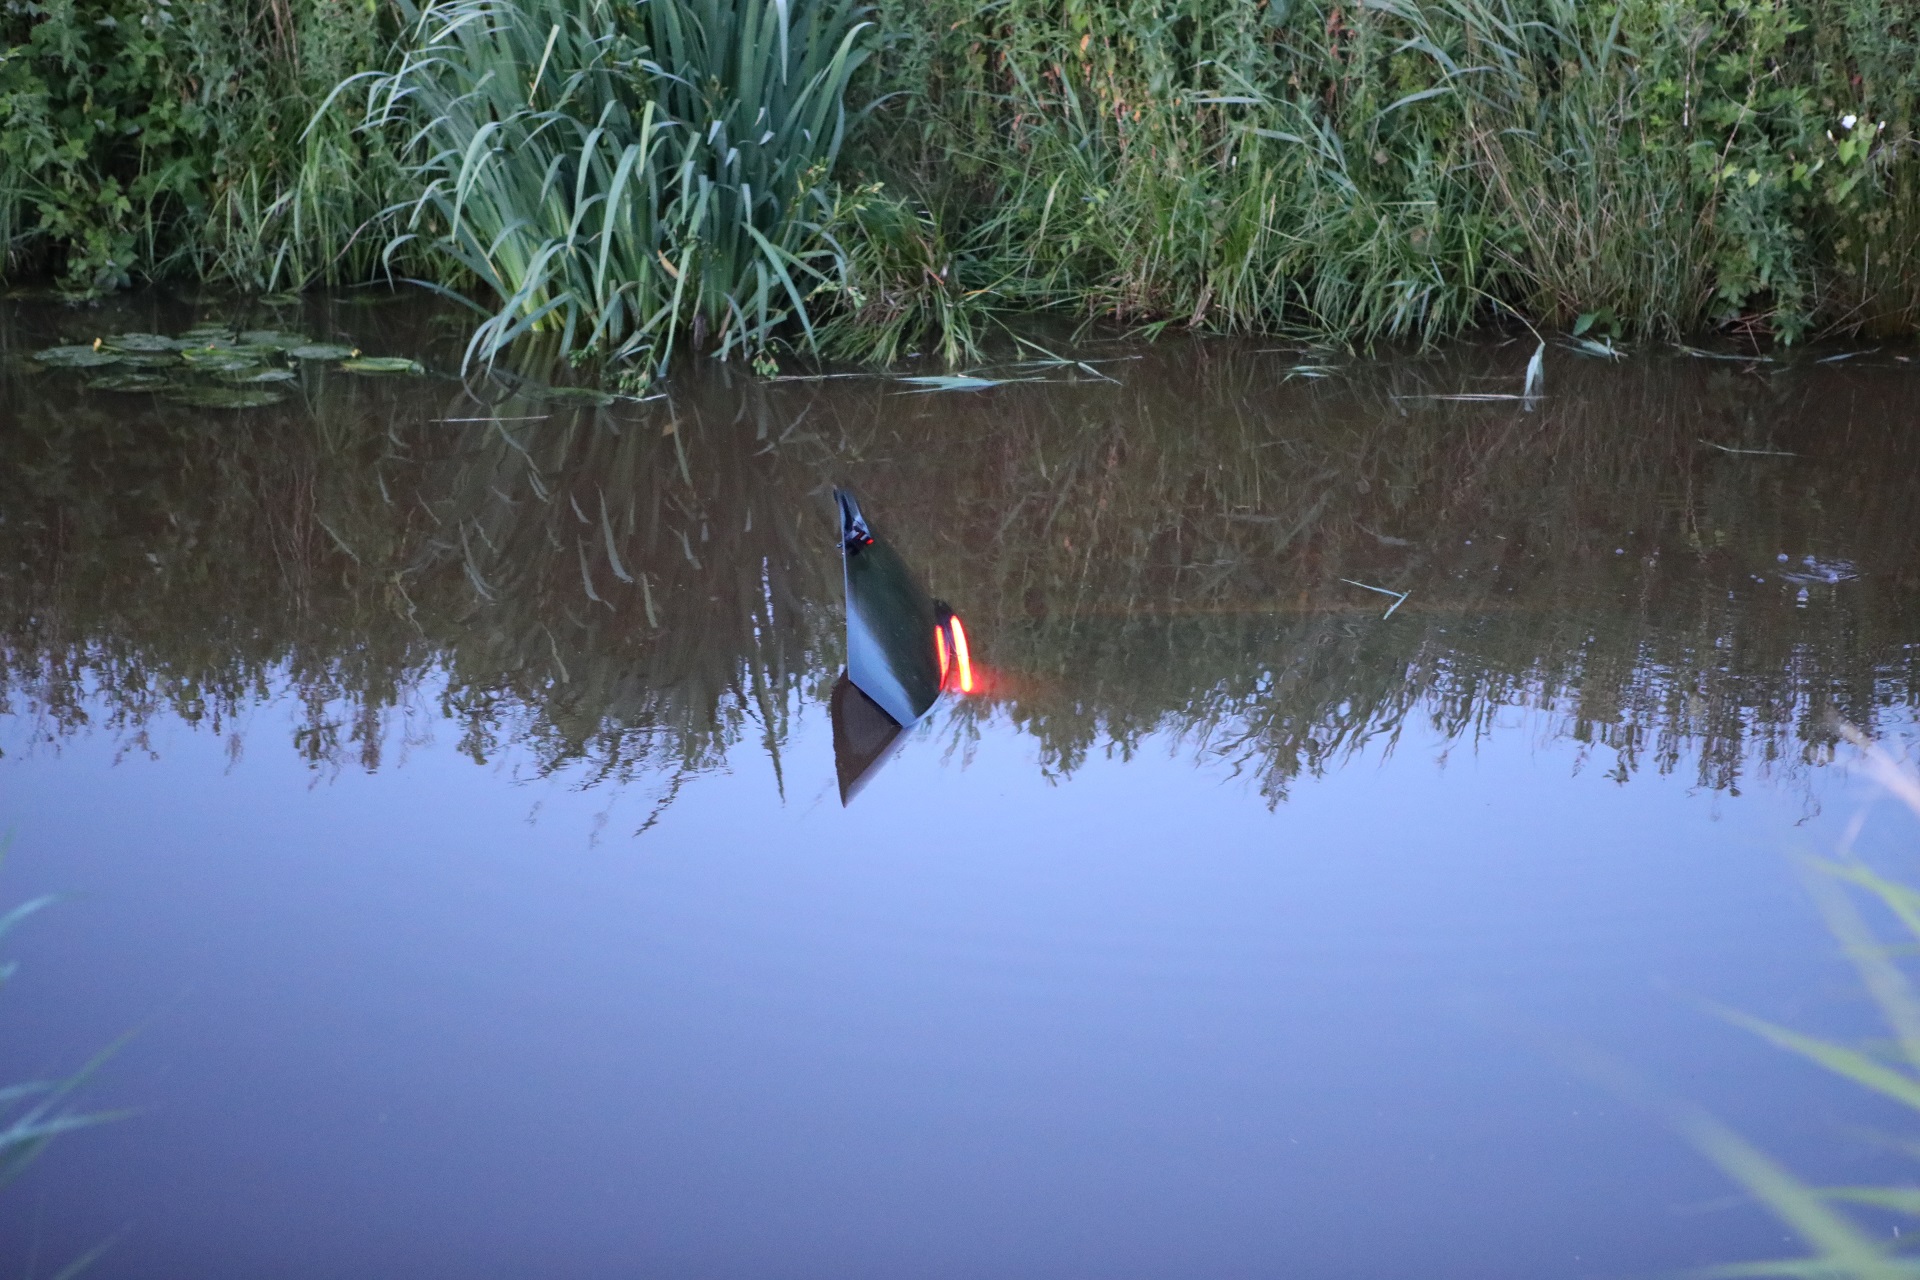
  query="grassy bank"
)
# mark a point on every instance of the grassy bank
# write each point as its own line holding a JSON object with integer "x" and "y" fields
{"x": 1393, "y": 167}
{"x": 738, "y": 177}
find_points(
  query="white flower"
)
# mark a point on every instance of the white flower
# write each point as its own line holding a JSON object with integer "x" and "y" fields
{"x": 1848, "y": 121}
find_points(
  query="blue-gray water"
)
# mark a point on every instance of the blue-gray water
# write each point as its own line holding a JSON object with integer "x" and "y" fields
{"x": 479, "y": 912}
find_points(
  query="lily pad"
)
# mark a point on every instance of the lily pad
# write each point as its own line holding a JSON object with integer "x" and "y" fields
{"x": 274, "y": 340}
{"x": 142, "y": 342}
{"x": 382, "y": 364}
{"x": 321, "y": 351}
{"x": 225, "y": 397}
{"x": 77, "y": 357}
{"x": 219, "y": 360}
{"x": 260, "y": 377}
{"x": 131, "y": 380}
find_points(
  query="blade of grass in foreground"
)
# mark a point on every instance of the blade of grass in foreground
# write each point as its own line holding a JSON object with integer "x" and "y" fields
{"x": 1839, "y": 1247}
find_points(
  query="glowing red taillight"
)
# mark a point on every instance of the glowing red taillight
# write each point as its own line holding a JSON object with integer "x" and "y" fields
{"x": 961, "y": 657}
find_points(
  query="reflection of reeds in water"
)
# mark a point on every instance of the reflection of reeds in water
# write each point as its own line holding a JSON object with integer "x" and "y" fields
{"x": 1828, "y": 1219}
{"x": 34, "y": 1113}
{"x": 1173, "y": 557}
{"x": 644, "y": 588}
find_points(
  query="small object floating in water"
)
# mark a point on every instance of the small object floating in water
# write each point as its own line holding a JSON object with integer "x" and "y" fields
{"x": 1814, "y": 571}
{"x": 1755, "y": 453}
{"x": 1399, "y": 597}
{"x": 1737, "y": 357}
{"x": 382, "y": 365}
{"x": 957, "y": 382}
{"x": 1536, "y": 381}
{"x": 903, "y": 649}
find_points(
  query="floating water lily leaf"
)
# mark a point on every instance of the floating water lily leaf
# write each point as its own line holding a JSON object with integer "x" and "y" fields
{"x": 274, "y": 340}
{"x": 144, "y": 342}
{"x": 321, "y": 351}
{"x": 77, "y": 357}
{"x": 131, "y": 380}
{"x": 218, "y": 360}
{"x": 201, "y": 331}
{"x": 151, "y": 359}
{"x": 225, "y": 397}
{"x": 382, "y": 364}
{"x": 256, "y": 378}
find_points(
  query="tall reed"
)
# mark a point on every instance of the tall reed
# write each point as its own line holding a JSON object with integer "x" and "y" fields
{"x": 624, "y": 174}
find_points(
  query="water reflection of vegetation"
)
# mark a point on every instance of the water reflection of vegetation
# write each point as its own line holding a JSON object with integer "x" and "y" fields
{"x": 1833, "y": 1222}
{"x": 36, "y": 1112}
{"x": 641, "y": 588}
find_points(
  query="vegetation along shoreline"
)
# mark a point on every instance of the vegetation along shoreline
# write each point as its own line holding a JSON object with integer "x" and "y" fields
{"x": 618, "y": 181}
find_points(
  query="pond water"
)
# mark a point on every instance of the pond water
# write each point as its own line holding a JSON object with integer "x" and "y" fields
{"x": 440, "y": 786}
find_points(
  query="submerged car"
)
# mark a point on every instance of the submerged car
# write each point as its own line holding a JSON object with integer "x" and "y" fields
{"x": 903, "y": 650}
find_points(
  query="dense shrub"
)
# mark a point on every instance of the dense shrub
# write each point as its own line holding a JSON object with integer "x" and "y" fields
{"x": 151, "y": 139}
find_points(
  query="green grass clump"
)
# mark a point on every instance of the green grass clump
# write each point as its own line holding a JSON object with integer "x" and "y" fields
{"x": 625, "y": 175}
{"x": 1409, "y": 167}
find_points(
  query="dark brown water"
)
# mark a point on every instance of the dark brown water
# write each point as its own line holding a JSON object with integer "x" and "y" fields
{"x": 442, "y": 780}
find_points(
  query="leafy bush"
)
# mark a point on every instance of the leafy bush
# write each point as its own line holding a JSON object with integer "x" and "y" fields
{"x": 147, "y": 139}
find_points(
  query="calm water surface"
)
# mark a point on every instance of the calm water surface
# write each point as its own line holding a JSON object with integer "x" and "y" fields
{"x": 442, "y": 789}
